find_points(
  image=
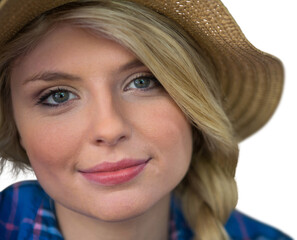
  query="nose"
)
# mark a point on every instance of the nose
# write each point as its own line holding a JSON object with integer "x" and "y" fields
{"x": 109, "y": 122}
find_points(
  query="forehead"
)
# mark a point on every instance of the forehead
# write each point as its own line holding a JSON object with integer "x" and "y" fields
{"x": 67, "y": 46}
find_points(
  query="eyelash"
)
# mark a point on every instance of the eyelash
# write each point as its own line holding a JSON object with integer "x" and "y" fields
{"x": 51, "y": 92}
{"x": 150, "y": 77}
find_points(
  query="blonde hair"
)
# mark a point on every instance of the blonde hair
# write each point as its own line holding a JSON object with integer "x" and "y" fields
{"x": 208, "y": 193}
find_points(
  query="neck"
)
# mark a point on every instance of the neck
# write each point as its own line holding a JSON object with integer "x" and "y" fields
{"x": 153, "y": 224}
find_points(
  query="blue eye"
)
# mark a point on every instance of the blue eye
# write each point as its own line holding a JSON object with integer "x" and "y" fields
{"x": 57, "y": 97}
{"x": 144, "y": 83}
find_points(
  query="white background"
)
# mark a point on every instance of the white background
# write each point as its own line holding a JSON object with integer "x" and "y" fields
{"x": 266, "y": 173}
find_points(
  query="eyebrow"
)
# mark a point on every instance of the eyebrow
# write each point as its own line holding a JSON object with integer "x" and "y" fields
{"x": 52, "y": 76}
{"x": 130, "y": 65}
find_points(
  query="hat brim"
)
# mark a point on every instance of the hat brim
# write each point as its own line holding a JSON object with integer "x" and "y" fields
{"x": 251, "y": 81}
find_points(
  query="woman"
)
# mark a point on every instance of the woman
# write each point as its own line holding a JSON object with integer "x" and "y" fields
{"x": 129, "y": 113}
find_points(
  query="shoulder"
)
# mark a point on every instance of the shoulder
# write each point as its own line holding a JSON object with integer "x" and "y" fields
{"x": 28, "y": 191}
{"x": 20, "y": 207}
{"x": 20, "y": 195}
{"x": 26, "y": 188}
{"x": 241, "y": 226}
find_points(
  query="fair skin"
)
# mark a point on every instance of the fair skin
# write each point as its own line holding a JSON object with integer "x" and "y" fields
{"x": 105, "y": 117}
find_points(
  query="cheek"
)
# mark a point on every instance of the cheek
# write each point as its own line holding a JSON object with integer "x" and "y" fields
{"x": 167, "y": 131}
{"x": 49, "y": 144}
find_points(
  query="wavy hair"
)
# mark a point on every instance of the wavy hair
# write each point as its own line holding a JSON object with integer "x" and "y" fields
{"x": 208, "y": 193}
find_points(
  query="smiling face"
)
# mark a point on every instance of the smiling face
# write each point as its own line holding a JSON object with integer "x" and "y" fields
{"x": 80, "y": 101}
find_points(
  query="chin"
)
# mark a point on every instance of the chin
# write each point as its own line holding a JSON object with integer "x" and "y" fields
{"x": 120, "y": 213}
{"x": 115, "y": 217}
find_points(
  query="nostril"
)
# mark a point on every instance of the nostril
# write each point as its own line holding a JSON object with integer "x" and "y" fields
{"x": 99, "y": 141}
{"x": 110, "y": 142}
{"x": 121, "y": 138}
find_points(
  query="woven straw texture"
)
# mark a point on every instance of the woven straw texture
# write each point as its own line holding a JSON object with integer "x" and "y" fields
{"x": 251, "y": 81}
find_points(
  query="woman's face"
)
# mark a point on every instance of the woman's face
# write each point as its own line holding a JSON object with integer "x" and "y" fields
{"x": 103, "y": 137}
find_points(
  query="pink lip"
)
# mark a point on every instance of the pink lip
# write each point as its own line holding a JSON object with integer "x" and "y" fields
{"x": 109, "y": 173}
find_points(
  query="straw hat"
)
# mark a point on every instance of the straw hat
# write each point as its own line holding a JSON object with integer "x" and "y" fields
{"x": 251, "y": 81}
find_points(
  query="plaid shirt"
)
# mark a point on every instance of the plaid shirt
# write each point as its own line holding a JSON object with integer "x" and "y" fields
{"x": 27, "y": 212}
